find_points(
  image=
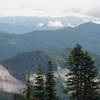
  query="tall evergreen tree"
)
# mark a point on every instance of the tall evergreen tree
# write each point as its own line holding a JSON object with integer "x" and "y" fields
{"x": 28, "y": 90}
{"x": 81, "y": 82}
{"x": 89, "y": 78}
{"x": 50, "y": 91}
{"x": 38, "y": 87}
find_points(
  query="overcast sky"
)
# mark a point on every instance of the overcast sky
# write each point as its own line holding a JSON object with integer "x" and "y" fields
{"x": 50, "y": 8}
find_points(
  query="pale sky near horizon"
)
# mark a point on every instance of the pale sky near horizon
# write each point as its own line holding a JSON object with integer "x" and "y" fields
{"x": 50, "y": 8}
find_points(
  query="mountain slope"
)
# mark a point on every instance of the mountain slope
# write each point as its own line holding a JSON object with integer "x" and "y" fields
{"x": 22, "y": 63}
{"x": 8, "y": 83}
{"x": 88, "y": 35}
{"x": 19, "y": 29}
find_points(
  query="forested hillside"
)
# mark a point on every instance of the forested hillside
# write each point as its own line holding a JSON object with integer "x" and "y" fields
{"x": 22, "y": 63}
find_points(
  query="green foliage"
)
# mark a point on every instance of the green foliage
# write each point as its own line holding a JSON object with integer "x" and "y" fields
{"x": 28, "y": 88}
{"x": 81, "y": 82}
{"x": 38, "y": 86}
{"x": 27, "y": 91}
{"x": 34, "y": 88}
{"x": 50, "y": 91}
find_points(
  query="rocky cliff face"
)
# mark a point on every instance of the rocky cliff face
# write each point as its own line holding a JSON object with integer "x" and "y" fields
{"x": 8, "y": 83}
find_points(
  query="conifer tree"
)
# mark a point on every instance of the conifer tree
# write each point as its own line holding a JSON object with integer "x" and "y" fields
{"x": 38, "y": 87}
{"x": 50, "y": 91}
{"x": 28, "y": 90}
{"x": 82, "y": 74}
{"x": 89, "y": 78}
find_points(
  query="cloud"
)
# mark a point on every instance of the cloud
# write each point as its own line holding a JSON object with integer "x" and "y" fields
{"x": 94, "y": 12}
{"x": 71, "y": 25}
{"x": 50, "y": 8}
{"x": 40, "y": 24}
{"x": 55, "y": 24}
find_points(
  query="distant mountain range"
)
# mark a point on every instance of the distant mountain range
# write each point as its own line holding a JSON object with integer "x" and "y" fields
{"x": 18, "y": 29}
{"x": 87, "y": 34}
{"x": 21, "y": 25}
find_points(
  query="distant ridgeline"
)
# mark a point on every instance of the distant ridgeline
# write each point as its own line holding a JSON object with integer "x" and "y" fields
{"x": 22, "y": 63}
{"x": 86, "y": 34}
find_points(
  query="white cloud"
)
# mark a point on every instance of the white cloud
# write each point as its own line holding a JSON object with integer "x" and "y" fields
{"x": 71, "y": 25}
{"x": 97, "y": 22}
{"x": 51, "y": 8}
{"x": 55, "y": 24}
{"x": 40, "y": 25}
{"x": 95, "y": 12}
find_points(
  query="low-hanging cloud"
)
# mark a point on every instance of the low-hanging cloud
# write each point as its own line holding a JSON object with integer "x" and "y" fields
{"x": 55, "y": 24}
{"x": 40, "y": 24}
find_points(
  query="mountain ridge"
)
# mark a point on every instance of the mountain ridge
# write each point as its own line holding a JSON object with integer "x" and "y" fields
{"x": 13, "y": 44}
{"x": 29, "y": 61}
